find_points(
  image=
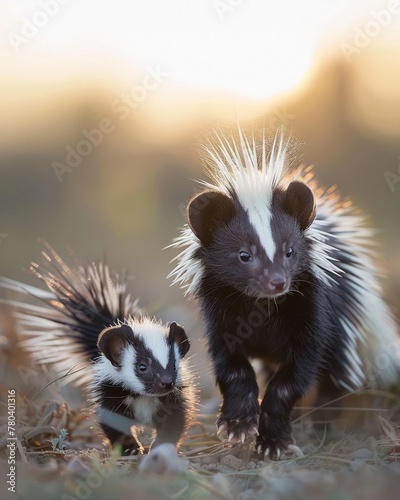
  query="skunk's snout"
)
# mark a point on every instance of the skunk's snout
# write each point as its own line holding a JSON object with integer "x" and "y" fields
{"x": 164, "y": 383}
{"x": 272, "y": 285}
{"x": 277, "y": 283}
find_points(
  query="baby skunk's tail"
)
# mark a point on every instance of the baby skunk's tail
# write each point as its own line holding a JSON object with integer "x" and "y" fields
{"x": 79, "y": 303}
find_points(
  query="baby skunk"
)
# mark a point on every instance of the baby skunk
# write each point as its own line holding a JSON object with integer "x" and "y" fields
{"x": 283, "y": 271}
{"x": 138, "y": 378}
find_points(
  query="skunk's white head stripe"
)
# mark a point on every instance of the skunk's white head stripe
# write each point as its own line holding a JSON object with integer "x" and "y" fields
{"x": 240, "y": 172}
{"x": 153, "y": 336}
{"x": 252, "y": 181}
{"x": 260, "y": 218}
{"x": 252, "y": 176}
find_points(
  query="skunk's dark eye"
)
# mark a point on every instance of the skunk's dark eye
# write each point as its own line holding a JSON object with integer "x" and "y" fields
{"x": 142, "y": 367}
{"x": 289, "y": 252}
{"x": 244, "y": 256}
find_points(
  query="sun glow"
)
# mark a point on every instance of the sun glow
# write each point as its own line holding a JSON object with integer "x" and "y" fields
{"x": 248, "y": 48}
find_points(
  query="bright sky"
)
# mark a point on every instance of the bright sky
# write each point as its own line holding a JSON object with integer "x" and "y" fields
{"x": 252, "y": 48}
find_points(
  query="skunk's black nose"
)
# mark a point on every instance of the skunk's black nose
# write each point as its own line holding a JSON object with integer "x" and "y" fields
{"x": 166, "y": 382}
{"x": 277, "y": 283}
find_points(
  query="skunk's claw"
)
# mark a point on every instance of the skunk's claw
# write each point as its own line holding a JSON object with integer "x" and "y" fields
{"x": 237, "y": 430}
{"x": 273, "y": 448}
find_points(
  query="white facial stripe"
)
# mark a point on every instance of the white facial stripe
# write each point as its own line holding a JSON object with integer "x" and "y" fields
{"x": 261, "y": 222}
{"x": 153, "y": 336}
{"x": 235, "y": 166}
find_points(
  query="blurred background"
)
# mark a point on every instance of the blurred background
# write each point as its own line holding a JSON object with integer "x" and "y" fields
{"x": 104, "y": 107}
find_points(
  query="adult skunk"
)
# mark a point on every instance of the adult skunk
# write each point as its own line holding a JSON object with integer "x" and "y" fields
{"x": 283, "y": 271}
{"x": 91, "y": 329}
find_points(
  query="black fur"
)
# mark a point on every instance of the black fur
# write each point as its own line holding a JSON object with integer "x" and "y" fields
{"x": 248, "y": 316}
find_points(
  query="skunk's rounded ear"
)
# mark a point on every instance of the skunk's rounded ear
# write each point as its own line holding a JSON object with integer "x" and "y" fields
{"x": 299, "y": 202}
{"x": 178, "y": 335}
{"x": 206, "y": 211}
{"x": 112, "y": 341}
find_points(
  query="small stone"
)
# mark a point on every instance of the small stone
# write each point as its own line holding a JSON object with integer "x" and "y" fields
{"x": 362, "y": 454}
{"x": 163, "y": 459}
{"x": 356, "y": 465}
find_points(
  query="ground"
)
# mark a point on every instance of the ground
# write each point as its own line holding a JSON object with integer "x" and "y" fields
{"x": 357, "y": 458}
{"x": 362, "y": 463}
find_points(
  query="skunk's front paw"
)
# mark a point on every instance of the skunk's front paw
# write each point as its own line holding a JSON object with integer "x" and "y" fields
{"x": 237, "y": 429}
{"x": 275, "y": 437}
{"x": 272, "y": 448}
